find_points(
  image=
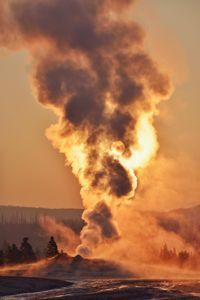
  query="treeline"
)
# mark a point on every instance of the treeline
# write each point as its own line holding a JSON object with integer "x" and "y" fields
{"x": 32, "y": 215}
{"x": 74, "y": 223}
{"x": 19, "y": 218}
{"x": 181, "y": 258}
{"x": 12, "y": 254}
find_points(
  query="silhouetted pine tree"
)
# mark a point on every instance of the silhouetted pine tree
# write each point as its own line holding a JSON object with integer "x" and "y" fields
{"x": 183, "y": 257}
{"x": 1, "y": 258}
{"x": 52, "y": 248}
{"x": 165, "y": 253}
{"x": 5, "y": 246}
{"x": 8, "y": 254}
{"x": 27, "y": 253}
{"x": 12, "y": 255}
{"x": 15, "y": 254}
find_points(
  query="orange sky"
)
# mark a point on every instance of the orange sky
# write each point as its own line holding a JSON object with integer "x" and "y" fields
{"x": 32, "y": 173}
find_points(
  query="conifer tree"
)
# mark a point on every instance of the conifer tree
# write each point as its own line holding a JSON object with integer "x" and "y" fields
{"x": 7, "y": 254}
{"x": 52, "y": 248}
{"x": 27, "y": 253}
{"x": 1, "y": 258}
{"x": 15, "y": 254}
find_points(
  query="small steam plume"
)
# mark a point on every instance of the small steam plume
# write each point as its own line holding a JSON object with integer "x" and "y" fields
{"x": 89, "y": 65}
{"x": 100, "y": 225}
{"x": 66, "y": 238}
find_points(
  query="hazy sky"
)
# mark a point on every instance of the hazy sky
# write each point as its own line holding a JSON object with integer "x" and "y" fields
{"x": 32, "y": 173}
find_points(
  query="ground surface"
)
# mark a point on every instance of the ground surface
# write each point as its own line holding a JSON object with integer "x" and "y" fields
{"x": 18, "y": 285}
{"x": 119, "y": 289}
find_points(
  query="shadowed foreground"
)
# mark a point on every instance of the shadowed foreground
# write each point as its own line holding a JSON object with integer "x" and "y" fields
{"x": 120, "y": 289}
{"x": 18, "y": 285}
{"x": 132, "y": 290}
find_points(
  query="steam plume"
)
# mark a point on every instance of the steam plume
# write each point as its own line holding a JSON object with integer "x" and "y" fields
{"x": 66, "y": 238}
{"x": 90, "y": 67}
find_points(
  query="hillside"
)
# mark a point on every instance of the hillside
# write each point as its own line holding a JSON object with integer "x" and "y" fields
{"x": 18, "y": 214}
{"x": 184, "y": 222}
{"x": 17, "y": 222}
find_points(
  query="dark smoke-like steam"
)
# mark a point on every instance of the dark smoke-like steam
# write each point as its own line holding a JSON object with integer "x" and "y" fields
{"x": 90, "y": 67}
{"x": 99, "y": 219}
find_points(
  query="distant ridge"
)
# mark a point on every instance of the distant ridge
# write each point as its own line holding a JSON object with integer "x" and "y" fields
{"x": 184, "y": 222}
{"x": 16, "y": 214}
{"x": 17, "y": 222}
{"x": 187, "y": 210}
{"x": 37, "y": 207}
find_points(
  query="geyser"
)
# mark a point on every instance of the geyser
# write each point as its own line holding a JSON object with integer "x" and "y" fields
{"x": 89, "y": 65}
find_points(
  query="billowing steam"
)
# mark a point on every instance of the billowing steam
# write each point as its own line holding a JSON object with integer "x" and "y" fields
{"x": 90, "y": 67}
{"x": 66, "y": 238}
